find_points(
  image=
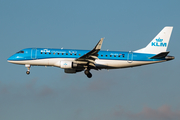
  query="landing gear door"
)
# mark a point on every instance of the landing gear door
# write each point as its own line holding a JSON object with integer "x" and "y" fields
{"x": 33, "y": 53}
{"x": 130, "y": 57}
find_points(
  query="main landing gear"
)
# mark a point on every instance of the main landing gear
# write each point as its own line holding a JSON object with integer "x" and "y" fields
{"x": 28, "y": 67}
{"x": 86, "y": 72}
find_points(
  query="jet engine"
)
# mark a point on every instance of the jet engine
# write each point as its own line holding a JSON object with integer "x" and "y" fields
{"x": 66, "y": 64}
{"x": 70, "y": 70}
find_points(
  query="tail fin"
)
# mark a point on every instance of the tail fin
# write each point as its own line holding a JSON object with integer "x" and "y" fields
{"x": 159, "y": 43}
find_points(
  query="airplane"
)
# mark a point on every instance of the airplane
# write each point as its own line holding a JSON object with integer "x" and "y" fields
{"x": 73, "y": 61}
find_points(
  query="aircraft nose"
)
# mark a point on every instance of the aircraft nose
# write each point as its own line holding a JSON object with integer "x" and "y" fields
{"x": 11, "y": 58}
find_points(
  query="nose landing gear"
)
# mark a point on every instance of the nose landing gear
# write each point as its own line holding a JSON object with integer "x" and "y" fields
{"x": 86, "y": 72}
{"x": 27, "y": 72}
{"x": 28, "y": 67}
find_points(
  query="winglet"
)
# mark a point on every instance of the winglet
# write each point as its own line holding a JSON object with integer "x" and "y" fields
{"x": 99, "y": 44}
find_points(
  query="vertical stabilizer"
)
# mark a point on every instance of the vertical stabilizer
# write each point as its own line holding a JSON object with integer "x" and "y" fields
{"x": 159, "y": 43}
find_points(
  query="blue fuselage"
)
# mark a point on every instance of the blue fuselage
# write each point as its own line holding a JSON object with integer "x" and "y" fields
{"x": 73, "y": 61}
{"x": 44, "y": 53}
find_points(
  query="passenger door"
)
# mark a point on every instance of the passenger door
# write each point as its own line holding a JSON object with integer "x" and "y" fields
{"x": 33, "y": 53}
{"x": 130, "y": 57}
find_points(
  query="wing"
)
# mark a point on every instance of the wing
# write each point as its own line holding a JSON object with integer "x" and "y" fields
{"x": 92, "y": 55}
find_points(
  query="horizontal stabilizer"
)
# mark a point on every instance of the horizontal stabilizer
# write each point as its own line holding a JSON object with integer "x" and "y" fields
{"x": 160, "y": 55}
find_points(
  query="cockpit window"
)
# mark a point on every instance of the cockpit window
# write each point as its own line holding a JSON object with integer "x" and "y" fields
{"x": 20, "y": 51}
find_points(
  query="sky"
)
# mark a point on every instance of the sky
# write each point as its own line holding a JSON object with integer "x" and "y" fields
{"x": 148, "y": 92}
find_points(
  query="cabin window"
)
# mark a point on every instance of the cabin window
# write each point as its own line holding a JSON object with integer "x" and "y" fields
{"x": 45, "y": 53}
{"x": 75, "y": 54}
{"x": 62, "y": 53}
{"x": 101, "y": 55}
{"x": 58, "y": 53}
{"x": 123, "y": 55}
{"x": 110, "y": 55}
{"x": 118, "y": 55}
{"x": 114, "y": 55}
{"x": 66, "y": 53}
{"x": 41, "y": 52}
{"x": 49, "y": 53}
{"x": 79, "y": 54}
{"x": 70, "y": 53}
{"x": 106, "y": 55}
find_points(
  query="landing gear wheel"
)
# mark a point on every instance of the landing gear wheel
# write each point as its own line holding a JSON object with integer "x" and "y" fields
{"x": 89, "y": 75}
{"x": 27, "y": 72}
{"x": 86, "y": 72}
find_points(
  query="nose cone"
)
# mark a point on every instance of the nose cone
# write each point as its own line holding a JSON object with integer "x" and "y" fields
{"x": 14, "y": 58}
{"x": 10, "y": 59}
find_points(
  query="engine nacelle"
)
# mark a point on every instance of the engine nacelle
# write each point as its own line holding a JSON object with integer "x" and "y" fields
{"x": 70, "y": 70}
{"x": 66, "y": 64}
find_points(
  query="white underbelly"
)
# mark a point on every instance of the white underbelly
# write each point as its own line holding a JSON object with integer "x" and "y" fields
{"x": 104, "y": 64}
{"x": 121, "y": 63}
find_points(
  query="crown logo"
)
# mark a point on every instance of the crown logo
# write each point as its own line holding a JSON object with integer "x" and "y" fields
{"x": 159, "y": 40}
